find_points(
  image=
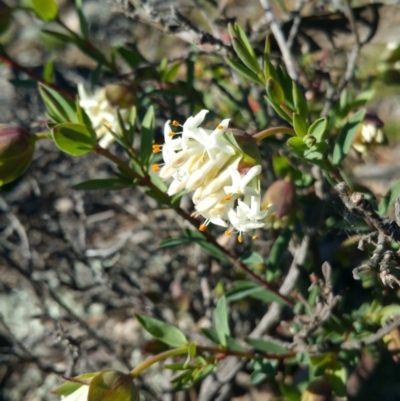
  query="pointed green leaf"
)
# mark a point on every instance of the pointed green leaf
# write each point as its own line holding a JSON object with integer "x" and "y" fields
{"x": 164, "y": 332}
{"x": 266, "y": 346}
{"x": 109, "y": 184}
{"x": 346, "y": 136}
{"x": 243, "y": 70}
{"x": 221, "y": 321}
{"x": 147, "y": 135}
{"x": 300, "y": 102}
{"x": 47, "y": 10}
{"x": 82, "y": 19}
{"x": 112, "y": 385}
{"x": 275, "y": 91}
{"x": 74, "y": 139}
{"x": 297, "y": 145}
{"x": 299, "y": 125}
{"x": 318, "y": 128}
{"x": 70, "y": 386}
{"x": 389, "y": 198}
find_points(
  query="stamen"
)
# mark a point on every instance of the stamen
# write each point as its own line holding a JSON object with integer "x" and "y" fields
{"x": 171, "y": 133}
{"x": 155, "y": 167}
{"x": 240, "y": 238}
{"x": 203, "y": 227}
{"x": 228, "y": 233}
{"x": 156, "y": 148}
{"x": 175, "y": 123}
{"x": 228, "y": 197}
{"x": 254, "y": 237}
{"x": 220, "y": 127}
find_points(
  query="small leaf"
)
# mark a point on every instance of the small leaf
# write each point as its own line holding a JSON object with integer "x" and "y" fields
{"x": 70, "y": 386}
{"x": 318, "y": 128}
{"x": 297, "y": 145}
{"x": 147, "y": 135}
{"x": 112, "y": 385}
{"x": 243, "y": 48}
{"x": 109, "y": 184}
{"x": 74, "y": 139}
{"x": 299, "y": 125}
{"x": 221, "y": 321}
{"x": 252, "y": 257}
{"x": 275, "y": 91}
{"x": 389, "y": 198}
{"x": 165, "y": 332}
{"x": 336, "y": 375}
{"x": 346, "y": 136}
{"x": 243, "y": 70}
{"x": 82, "y": 19}
{"x": 289, "y": 391}
{"x": 47, "y": 10}
{"x": 300, "y": 102}
{"x": 266, "y": 346}
{"x": 278, "y": 250}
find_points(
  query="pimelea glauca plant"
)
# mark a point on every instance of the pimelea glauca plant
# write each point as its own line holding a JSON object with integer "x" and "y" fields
{"x": 266, "y": 162}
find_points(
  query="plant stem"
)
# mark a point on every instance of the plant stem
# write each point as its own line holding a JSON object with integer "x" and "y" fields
{"x": 41, "y": 135}
{"x": 157, "y": 358}
{"x": 259, "y": 136}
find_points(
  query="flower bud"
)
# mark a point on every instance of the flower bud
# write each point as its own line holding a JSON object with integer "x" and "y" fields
{"x": 17, "y": 147}
{"x": 282, "y": 195}
{"x": 318, "y": 390}
{"x": 369, "y": 133}
{"x": 122, "y": 96}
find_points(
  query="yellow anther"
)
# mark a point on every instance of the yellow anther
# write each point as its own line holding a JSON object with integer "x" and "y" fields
{"x": 254, "y": 237}
{"x": 240, "y": 238}
{"x": 156, "y": 148}
{"x": 228, "y": 233}
{"x": 220, "y": 127}
{"x": 175, "y": 123}
{"x": 202, "y": 227}
{"x": 228, "y": 197}
{"x": 171, "y": 133}
{"x": 155, "y": 167}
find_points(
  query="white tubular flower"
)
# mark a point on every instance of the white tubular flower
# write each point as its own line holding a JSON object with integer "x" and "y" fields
{"x": 221, "y": 167}
{"x": 81, "y": 394}
{"x": 103, "y": 116}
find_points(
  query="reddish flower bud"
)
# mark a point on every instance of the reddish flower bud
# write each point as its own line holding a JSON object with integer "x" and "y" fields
{"x": 282, "y": 195}
{"x": 17, "y": 147}
{"x": 318, "y": 390}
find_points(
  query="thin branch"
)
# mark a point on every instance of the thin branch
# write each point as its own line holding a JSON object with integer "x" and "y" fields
{"x": 280, "y": 39}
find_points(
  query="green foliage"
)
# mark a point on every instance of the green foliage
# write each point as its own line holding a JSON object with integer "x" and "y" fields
{"x": 164, "y": 332}
{"x": 47, "y": 10}
{"x": 74, "y": 139}
{"x": 221, "y": 321}
{"x": 112, "y": 385}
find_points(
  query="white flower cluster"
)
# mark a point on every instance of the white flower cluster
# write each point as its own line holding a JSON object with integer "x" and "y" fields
{"x": 103, "y": 116}
{"x": 212, "y": 164}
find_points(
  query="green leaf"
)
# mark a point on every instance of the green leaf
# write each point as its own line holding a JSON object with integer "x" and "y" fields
{"x": 243, "y": 289}
{"x": 299, "y": 125}
{"x": 278, "y": 250}
{"x": 275, "y": 91}
{"x": 243, "y": 48}
{"x": 147, "y": 135}
{"x": 318, "y": 128}
{"x": 290, "y": 392}
{"x": 257, "y": 377}
{"x": 112, "y": 385}
{"x": 48, "y": 71}
{"x": 47, "y": 10}
{"x": 278, "y": 110}
{"x": 389, "y": 198}
{"x": 266, "y": 346}
{"x": 221, "y": 321}
{"x": 60, "y": 107}
{"x": 195, "y": 236}
{"x": 109, "y": 184}
{"x": 346, "y": 136}
{"x": 231, "y": 343}
{"x": 336, "y": 375}
{"x": 70, "y": 386}
{"x": 132, "y": 55}
{"x": 297, "y": 145}
{"x": 300, "y": 102}
{"x": 164, "y": 332}
{"x": 74, "y": 139}
{"x": 82, "y": 19}
{"x": 243, "y": 70}
{"x": 252, "y": 257}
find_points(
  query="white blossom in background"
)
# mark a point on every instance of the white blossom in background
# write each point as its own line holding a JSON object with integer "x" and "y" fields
{"x": 81, "y": 394}
{"x": 224, "y": 179}
{"x": 102, "y": 114}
